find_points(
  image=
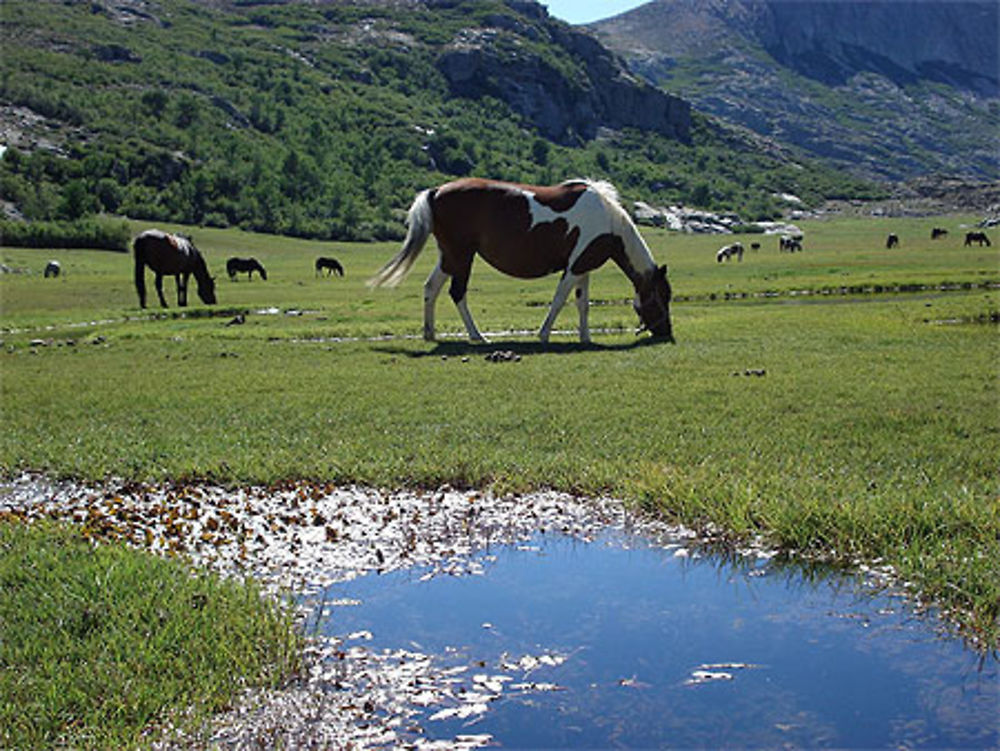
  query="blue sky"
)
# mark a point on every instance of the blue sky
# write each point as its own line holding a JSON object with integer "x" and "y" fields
{"x": 585, "y": 11}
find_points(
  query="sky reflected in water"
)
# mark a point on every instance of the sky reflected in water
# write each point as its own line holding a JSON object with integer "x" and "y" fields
{"x": 649, "y": 648}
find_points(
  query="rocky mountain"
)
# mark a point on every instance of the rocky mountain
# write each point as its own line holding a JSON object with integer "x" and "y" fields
{"x": 510, "y": 57}
{"x": 887, "y": 88}
{"x": 321, "y": 118}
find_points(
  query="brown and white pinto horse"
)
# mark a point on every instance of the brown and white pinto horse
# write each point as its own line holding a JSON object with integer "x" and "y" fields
{"x": 170, "y": 254}
{"x": 729, "y": 251}
{"x": 528, "y": 232}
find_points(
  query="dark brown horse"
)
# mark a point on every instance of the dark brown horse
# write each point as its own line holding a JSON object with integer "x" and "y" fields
{"x": 236, "y": 265}
{"x": 977, "y": 237}
{"x": 332, "y": 266}
{"x": 170, "y": 254}
{"x": 528, "y": 232}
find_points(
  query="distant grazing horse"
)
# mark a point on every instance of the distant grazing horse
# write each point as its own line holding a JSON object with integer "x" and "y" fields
{"x": 937, "y": 232}
{"x": 727, "y": 252}
{"x": 977, "y": 237}
{"x": 790, "y": 243}
{"x": 332, "y": 266}
{"x": 528, "y": 232}
{"x": 892, "y": 241}
{"x": 53, "y": 269}
{"x": 235, "y": 265}
{"x": 170, "y": 254}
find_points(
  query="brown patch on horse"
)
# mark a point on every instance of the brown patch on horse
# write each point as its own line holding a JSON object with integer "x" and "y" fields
{"x": 559, "y": 198}
{"x": 494, "y": 220}
{"x": 600, "y": 249}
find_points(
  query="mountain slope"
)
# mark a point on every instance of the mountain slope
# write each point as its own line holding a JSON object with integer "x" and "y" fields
{"x": 323, "y": 119}
{"x": 892, "y": 88}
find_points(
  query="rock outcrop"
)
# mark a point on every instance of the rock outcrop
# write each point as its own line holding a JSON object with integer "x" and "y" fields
{"x": 562, "y": 80}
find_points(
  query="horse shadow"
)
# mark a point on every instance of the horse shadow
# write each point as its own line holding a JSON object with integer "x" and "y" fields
{"x": 519, "y": 348}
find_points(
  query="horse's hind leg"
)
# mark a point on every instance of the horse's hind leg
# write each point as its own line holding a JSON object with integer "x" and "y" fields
{"x": 457, "y": 291}
{"x": 432, "y": 288}
{"x": 140, "y": 284}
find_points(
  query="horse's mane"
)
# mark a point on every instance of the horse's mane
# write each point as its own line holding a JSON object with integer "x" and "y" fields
{"x": 623, "y": 224}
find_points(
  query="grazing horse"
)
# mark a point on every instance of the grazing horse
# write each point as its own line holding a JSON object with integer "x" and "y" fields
{"x": 53, "y": 269}
{"x": 791, "y": 243}
{"x": 529, "y": 232}
{"x": 977, "y": 237}
{"x": 892, "y": 241}
{"x": 937, "y": 232}
{"x": 170, "y": 254}
{"x": 332, "y": 266}
{"x": 235, "y": 265}
{"x": 727, "y": 252}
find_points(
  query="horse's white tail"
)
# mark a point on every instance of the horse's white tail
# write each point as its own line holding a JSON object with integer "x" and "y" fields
{"x": 420, "y": 221}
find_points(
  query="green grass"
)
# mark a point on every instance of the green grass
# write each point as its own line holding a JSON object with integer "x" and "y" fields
{"x": 873, "y": 434}
{"x": 100, "y": 644}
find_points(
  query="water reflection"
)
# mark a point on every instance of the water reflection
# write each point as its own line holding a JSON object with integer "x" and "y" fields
{"x": 619, "y": 643}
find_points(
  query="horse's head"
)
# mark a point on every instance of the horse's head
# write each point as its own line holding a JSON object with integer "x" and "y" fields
{"x": 206, "y": 290}
{"x": 652, "y": 304}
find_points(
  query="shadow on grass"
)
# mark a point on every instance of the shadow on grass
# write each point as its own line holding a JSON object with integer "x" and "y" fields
{"x": 522, "y": 348}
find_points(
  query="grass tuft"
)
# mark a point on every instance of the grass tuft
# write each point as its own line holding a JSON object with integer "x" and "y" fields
{"x": 100, "y": 644}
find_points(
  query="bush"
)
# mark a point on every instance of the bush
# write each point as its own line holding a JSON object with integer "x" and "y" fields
{"x": 102, "y": 234}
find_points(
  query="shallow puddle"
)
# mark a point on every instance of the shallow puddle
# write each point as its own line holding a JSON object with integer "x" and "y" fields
{"x": 454, "y": 619}
{"x": 622, "y": 643}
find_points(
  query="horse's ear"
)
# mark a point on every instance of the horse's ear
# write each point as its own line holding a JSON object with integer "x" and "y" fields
{"x": 663, "y": 271}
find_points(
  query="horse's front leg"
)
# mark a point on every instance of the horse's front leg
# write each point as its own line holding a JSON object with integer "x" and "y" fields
{"x": 568, "y": 281}
{"x": 158, "y": 283}
{"x": 182, "y": 289}
{"x": 583, "y": 306}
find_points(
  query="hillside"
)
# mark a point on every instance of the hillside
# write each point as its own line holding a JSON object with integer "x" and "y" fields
{"x": 323, "y": 119}
{"x": 892, "y": 89}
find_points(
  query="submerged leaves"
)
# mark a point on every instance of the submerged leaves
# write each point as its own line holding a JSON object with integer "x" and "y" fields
{"x": 304, "y": 537}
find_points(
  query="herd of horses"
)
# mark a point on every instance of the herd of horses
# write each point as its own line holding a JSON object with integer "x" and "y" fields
{"x": 793, "y": 243}
{"x": 789, "y": 243}
{"x": 175, "y": 255}
{"x": 523, "y": 231}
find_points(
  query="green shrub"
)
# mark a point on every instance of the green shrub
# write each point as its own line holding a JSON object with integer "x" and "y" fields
{"x": 100, "y": 234}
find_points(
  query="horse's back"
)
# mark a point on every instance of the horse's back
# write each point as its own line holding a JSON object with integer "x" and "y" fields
{"x": 525, "y": 231}
{"x": 165, "y": 253}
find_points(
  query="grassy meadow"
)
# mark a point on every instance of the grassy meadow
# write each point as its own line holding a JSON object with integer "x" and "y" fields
{"x": 99, "y": 640}
{"x": 842, "y": 426}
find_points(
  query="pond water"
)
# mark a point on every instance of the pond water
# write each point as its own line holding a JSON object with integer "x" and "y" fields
{"x": 622, "y": 643}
